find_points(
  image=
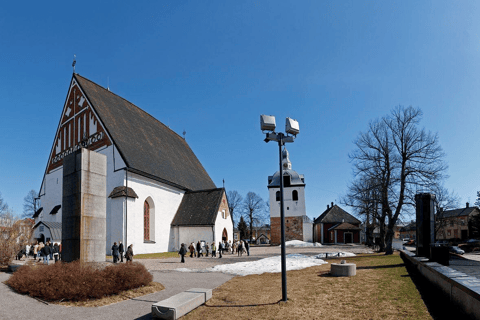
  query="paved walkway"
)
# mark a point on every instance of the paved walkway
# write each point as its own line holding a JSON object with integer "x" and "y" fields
{"x": 468, "y": 263}
{"x": 16, "y": 306}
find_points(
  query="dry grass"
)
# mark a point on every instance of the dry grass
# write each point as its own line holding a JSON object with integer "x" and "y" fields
{"x": 382, "y": 289}
{"x": 125, "y": 295}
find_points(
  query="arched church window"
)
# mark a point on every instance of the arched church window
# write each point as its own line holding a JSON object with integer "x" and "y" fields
{"x": 146, "y": 221}
{"x": 295, "y": 195}
{"x": 277, "y": 196}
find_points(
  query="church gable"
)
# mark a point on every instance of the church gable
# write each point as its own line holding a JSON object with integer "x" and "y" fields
{"x": 79, "y": 126}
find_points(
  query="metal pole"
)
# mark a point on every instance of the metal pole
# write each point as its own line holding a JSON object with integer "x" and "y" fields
{"x": 282, "y": 224}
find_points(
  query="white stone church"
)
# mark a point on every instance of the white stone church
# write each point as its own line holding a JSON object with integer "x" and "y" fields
{"x": 159, "y": 194}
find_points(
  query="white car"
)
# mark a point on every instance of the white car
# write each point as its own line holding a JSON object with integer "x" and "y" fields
{"x": 456, "y": 250}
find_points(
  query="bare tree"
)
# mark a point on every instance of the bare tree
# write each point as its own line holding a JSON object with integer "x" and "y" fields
{"x": 14, "y": 235}
{"x": 3, "y": 205}
{"x": 254, "y": 210}
{"x": 401, "y": 159}
{"x": 444, "y": 200}
{"x": 29, "y": 205}
{"x": 234, "y": 200}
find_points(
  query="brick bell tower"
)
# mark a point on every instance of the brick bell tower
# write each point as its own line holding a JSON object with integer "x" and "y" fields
{"x": 297, "y": 225}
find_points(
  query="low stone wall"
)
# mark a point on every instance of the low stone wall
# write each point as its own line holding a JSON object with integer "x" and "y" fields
{"x": 463, "y": 290}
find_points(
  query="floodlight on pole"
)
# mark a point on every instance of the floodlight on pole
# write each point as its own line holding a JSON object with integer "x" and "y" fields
{"x": 267, "y": 123}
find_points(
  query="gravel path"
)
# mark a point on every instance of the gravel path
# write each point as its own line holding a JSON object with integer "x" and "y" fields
{"x": 16, "y": 306}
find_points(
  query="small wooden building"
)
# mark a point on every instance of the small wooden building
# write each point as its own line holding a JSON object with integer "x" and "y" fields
{"x": 335, "y": 225}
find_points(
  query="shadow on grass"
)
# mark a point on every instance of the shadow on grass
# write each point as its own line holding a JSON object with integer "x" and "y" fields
{"x": 400, "y": 265}
{"x": 437, "y": 302}
{"x": 243, "y": 305}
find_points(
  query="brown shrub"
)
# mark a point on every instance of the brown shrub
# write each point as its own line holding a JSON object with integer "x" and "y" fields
{"x": 76, "y": 281}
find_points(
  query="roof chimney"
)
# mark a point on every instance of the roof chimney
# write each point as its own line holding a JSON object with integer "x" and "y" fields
{"x": 332, "y": 204}
{"x": 468, "y": 204}
{"x": 328, "y": 207}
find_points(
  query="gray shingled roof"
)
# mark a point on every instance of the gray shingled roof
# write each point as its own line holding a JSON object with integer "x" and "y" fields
{"x": 146, "y": 144}
{"x": 122, "y": 191}
{"x": 335, "y": 214}
{"x": 458, "y": 212}
{"x": 54, "y": 227}
{"x": 199, "y": 208}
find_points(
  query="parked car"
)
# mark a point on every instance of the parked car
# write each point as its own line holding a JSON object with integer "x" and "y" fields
{"x": 457, "y": 250}
{"x": 473, "y": 241}
{"x": 441, "y": 243}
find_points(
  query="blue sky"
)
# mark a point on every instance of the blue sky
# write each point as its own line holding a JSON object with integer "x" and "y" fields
{"x": 211, "y": 68}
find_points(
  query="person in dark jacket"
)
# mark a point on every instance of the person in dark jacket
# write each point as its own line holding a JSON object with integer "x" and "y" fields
{"x": 129, "y": 254}
{"x": 115, "y": 252}
{"x": 220, "y": 249}
{"x": 56, "y": 251}
{"x": 199, "y": 248}
{"x": 182, "y": 252}
{"x": 46, "y": 253}
{"x": 51, "y": 250}
{"x": 121, "y": 250}
{"x": 247, "y": 247}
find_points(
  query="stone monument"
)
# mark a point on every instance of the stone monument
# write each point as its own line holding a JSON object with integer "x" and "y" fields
{"x": 425, "y": 210}
{"x": 84, "y": 205}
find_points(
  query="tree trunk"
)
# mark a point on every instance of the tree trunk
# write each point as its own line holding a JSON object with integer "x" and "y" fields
{"x": 381, "y": 243}
{"x": 388, "y": 241}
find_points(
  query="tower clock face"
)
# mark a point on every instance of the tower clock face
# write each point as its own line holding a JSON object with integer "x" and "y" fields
{"x": 285, "y": 165}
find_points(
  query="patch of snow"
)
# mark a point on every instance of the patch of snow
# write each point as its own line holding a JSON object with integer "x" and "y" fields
{"x": 298, "y": 243}
{"x": 325, "y": 255}
{"x": 271, "y": 265}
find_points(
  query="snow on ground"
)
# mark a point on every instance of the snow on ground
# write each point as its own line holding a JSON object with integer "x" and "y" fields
{"x": 298, "y": 243}
{"x": 272, "y": 264}
{"x": 327, "y": 255}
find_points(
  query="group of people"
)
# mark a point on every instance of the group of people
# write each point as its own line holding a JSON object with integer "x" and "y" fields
{"x": 204, "y": 248}
{"x": 118, "y": 250}
{"x": 38, "y": 250}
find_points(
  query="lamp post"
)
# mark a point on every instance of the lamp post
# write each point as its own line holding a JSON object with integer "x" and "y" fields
{"x": 267, "y": 123}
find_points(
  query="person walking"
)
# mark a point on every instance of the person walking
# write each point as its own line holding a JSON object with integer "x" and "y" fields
{"x": 182, "y": 252}
{"x": 35, "y": 250}
{"x": 214, "y": 250}
{"x": 192, "y": 250}
{"x": 129, "y": 254}
{"x": 207, "y": 248}
{"x": 247, "y": 247}
{"x": 39, "y": 250}
{"x": 199, "y": 249}
{"x": 51, "y": 249}
{"x": 46, "y": 253}
{"x": 115, "y": 252}
{"x": 240, "y": 248}
{"x": 55, "y": 251}
{"x": 121, "y": 250}
{"x": 220, "y": 249}
{"x": 27, "y": 251}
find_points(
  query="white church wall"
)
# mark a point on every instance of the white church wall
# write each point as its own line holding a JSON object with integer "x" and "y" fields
{"x": 222, "y": 223}
{"x": 164, "y": 201}
{"x": 51, "y": 196}
{"x": 188, "y": 235}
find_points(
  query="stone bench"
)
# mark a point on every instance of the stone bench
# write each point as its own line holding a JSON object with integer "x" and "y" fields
{"x": 181, "y": 304}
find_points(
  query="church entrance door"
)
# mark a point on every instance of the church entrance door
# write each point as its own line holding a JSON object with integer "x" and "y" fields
{"x": 224, "y": 235}
{"x": 348, "y": 237}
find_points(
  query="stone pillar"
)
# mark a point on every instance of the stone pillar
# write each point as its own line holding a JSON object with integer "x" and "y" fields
{"x": 84, "y": 206}
{"x": 425, "y": 209}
